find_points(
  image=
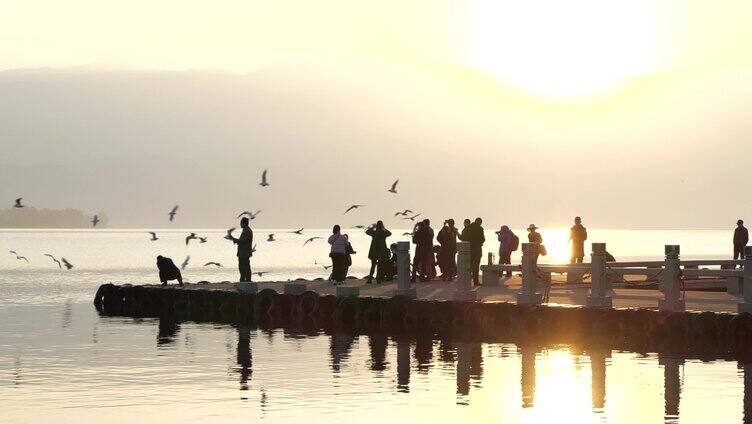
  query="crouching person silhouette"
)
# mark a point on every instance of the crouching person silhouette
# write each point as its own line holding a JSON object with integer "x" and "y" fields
{"x": 168, "y": 271}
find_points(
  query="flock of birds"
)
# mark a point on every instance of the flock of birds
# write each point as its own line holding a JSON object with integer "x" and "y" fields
{"x": 406, "y": 214}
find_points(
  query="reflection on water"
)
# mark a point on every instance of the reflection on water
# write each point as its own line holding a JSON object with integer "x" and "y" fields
{"x": 157, "y": 370}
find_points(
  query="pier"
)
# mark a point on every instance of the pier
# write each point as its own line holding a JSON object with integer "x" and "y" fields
{"x": 666, "y": 320}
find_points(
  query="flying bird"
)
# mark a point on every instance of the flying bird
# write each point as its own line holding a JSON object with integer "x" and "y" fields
{"x": 153, "y": 236}
{"x": 311, "y": 239}
{"x": 95, "y": 221}
{"x": 18, "y": 257}
{"x": 407, "y": 234}
{"x": 412, "y": 218}
{"x": 253, "y": 249}
{"x": 250, "y": 214}
{"x": 394, "y": 187}
{"x": 189, "y": 237}
{"x": 353, "y": 207}
{"x": 18, "y": 203}
{"x": 185, "y": 262}
{"x": 271, "y": 237}
{"x": 229, "y": 233}
{"x": 326, "y": 266}
{"x": 56, "y": 261}
{"x": 263, "y": 182}
{"x": 298, "y": 232}
{"x": 403, "y": 213}
{"x": 173, "y": 212}
{"x": 359, "y": 226}
{"x": 66, "y": 263}
{"x": 217, "y": 264}
{"x": 202, "y": 239}
{"x": 261, "y": 273}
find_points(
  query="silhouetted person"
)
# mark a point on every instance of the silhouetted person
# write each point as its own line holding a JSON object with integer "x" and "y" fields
{"x": 340, "y": 346}
{"x": 578, "y": 235}
{"x": 447, "y": 238}
{"x": 339, "y": 254}
{"x": 168, "y": 271}
{"x": 475, "y": 235}
{"x": 245, "y": 250}
{"x": 534, "y": 237}
{"x": 423, "y": 239}
{"x": 378, "y": 252}
{"x": 508, "y": 243}
{"x": 741, "y": 237}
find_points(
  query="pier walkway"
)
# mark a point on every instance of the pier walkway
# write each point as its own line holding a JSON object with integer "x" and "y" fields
{"x": 560, "y": 294}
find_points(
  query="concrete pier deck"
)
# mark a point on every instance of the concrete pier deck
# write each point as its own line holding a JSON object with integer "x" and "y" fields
{"x": 560, "y": 294}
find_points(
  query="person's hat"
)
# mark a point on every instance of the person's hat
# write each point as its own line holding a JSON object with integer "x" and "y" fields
{"x": 532, "y": 227}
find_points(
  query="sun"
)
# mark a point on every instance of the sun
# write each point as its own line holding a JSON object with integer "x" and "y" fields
{"x": 564, "y": 49}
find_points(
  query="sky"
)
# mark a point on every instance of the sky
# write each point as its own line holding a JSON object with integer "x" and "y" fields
{"x": 631, "y": 113}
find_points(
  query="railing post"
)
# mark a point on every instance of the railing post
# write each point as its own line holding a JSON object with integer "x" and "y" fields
{"x": 403, "y": 271}
{"x": 528, "y": 294}
{"x": 464, "y": 290}
{"x": 670, "y": 285}
{"x": 746, "y": 306}
{"x": 598, "y": 285}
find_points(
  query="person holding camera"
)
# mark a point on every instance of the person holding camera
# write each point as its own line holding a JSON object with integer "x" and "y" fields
{"x": 378, "y": 253}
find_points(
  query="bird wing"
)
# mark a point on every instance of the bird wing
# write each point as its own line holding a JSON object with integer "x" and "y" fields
{"x": 13, "y": 252}
{"x": 67, "y": 264}
{"x": 174, "y": 209}
{"x": 59, "y": 265}
{"x": 350, "y": 208}
{"x": 263, "y": 176}
{"x": 47, "y": 254}
{"x": 394, "y": 186}
{"x": 18, "y": 201}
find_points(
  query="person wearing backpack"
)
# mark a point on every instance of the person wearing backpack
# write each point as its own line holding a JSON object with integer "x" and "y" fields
{"x": 508, "y": 243}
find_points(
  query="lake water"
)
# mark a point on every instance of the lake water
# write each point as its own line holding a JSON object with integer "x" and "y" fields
{"x": 62, "y": 362}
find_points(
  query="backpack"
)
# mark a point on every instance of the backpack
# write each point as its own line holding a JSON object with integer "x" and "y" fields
{"x": 515, "y": 242}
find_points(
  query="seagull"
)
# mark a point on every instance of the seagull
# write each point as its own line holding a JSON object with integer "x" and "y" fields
{"x": 173, "y": 212}
{"x": 251, "y": 215}
{"x": 298, "y": 232}
{"x": 202, "y": 239}
{"x": 271, "y": 237}
{"x": 394, "y": 187}
{"x": 412, "y": 218}
{"x": 95, "y": 220}
{"x": 185, "y": 262}
{"x": 403, "y": 213}
{"x": 56, "y": 261}
{"x": 253, "y": 249}
{"x": 191, "y": 236}
{"x": 359, "y": 226}
{"x": 326, "y": 266}
{"x": 353, "y": 207}
{"x": 18, "y": 203}
{"x": 263, "y": 182}
{"x": 66, "y": 263}
{"x": 407, "y": 234}
{"x": 311, "y": 239}
{"x": 18, "y": 257}
{"x": 217, "y": 264}
{"x": 229, "y": 233}
{"x": 153, "y": 236}
{"x": 261, "y": 273}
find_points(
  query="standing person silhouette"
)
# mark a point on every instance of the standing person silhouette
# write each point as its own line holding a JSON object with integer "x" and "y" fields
{"x": 508, "y": 243}
{"x": 245, "y": 250}
{"x": 378, "y": 253}
{"x": 578, "y": 235}
{"x": 741, "y": 238}
{"x": 476, "y": 237}
{"x": 447, "y": 238}
{"x": 339, "y": 254}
